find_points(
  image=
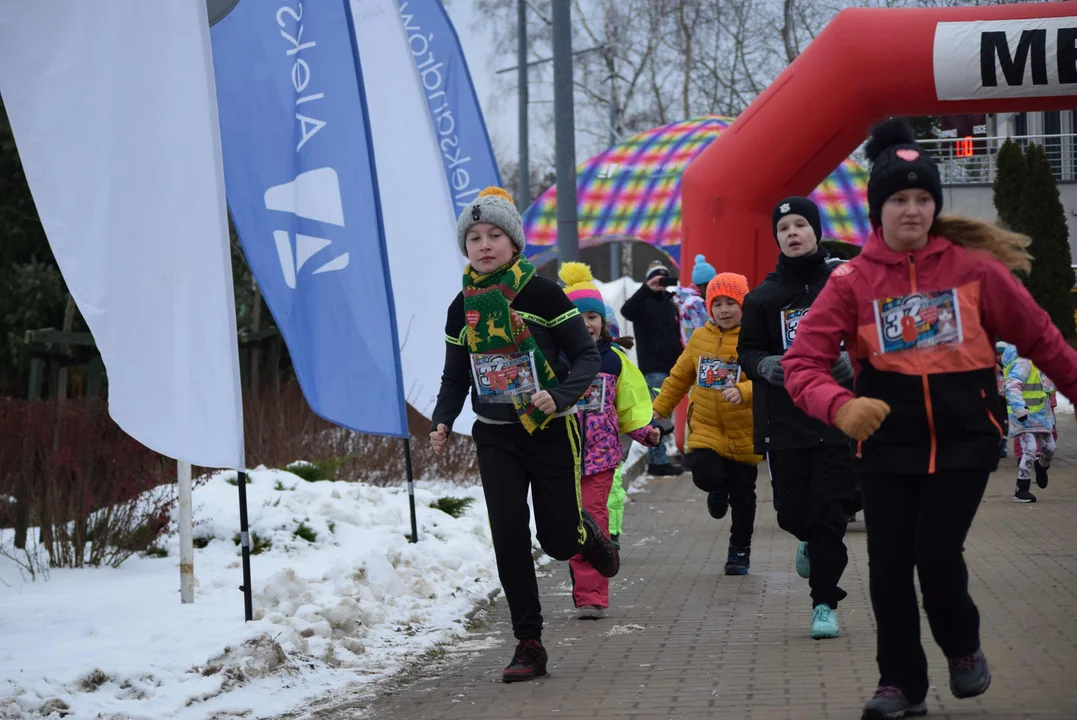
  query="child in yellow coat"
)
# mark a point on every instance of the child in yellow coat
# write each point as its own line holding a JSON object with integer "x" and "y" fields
{"x": 721, "y": 450}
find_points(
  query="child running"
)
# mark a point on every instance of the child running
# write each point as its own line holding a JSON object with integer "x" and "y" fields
{"x": 918, "y": 310}
{"x": 810, "y": 464}
{"x": 506, "y": 326}
{"x": 617, "y": 403}
{"x": 1031, "y": 421}
{"x": 721, "y": 449}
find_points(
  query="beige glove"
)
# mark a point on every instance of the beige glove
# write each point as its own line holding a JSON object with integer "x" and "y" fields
{"x": 861, "y": 417}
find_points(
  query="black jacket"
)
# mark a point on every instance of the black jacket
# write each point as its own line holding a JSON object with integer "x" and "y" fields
{"x": 779, "y": 424}
{"x": 560, "y": 333}
{"x": 657, "y": 327}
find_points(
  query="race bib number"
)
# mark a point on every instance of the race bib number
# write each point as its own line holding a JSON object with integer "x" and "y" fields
{"x": 504, "y": 377}
{"x": 594, "y": 400}
{"x": 716, "y": 374}
{"x": 790, "y": 320}
{"x": 921, "y": 320}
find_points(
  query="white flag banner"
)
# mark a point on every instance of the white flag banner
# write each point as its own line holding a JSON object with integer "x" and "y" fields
{"x": 433, "y": 157}
{"x": 114, "y": 112}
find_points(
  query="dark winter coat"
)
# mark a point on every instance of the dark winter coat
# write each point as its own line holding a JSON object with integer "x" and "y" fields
{"x": 779, "y": 424}
{"x": 559, "y": 330}
{"x": 657, "y": 327}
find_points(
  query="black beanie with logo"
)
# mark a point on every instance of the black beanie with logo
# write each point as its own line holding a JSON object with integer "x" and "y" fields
{"x": 898, "y": 163}
{"x": 797, "y": 205}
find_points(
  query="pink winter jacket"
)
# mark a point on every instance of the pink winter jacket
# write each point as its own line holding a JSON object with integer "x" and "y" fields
{"x": 942, "y": 397}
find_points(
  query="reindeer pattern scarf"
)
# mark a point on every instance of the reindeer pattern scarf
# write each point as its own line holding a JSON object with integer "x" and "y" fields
{"x": 494, "y": 327}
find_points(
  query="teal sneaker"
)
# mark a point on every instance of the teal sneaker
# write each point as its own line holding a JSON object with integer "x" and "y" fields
{"x": 803, "y": 563}
{"x": 824, "y": 622}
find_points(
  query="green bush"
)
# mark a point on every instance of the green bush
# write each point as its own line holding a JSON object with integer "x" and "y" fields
{"x": 202, "y": 542}
{"x": 233, "y": 480}
{"x": 304, "y": 531}
{"x": 311, "y": 472}
{"x": 452, "y": 505}
{"x": 259, "y": 544}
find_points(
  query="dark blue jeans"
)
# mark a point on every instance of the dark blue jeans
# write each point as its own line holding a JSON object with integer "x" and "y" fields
{"x": 657, "y": 455}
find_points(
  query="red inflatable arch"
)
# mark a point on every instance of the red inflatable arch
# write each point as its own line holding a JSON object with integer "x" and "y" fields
{"x": 866, "y": 65}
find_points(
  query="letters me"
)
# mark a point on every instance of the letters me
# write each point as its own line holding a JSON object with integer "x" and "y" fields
{"x": 995, "y": 44}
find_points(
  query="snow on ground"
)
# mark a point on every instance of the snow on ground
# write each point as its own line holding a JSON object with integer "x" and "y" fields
{"x": 351, "y": 602}
{"x": 1065, "y": 407}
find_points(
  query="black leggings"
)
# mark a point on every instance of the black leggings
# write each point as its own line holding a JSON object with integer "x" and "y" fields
{"x": 510, "y": 461}
{"x": 920, "y": 521}
{"x": 812, "y": 491}
{"x": 713, "y": 473}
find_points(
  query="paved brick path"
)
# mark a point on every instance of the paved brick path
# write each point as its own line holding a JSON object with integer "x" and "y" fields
{"x": 685, "y": 641}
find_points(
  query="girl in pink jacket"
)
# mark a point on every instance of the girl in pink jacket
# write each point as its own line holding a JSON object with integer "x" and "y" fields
{"x": 918, "y": 311}
{"x": 618, "y": 402}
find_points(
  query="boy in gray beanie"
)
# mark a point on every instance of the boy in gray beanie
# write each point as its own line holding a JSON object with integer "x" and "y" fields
{"x": 493, "y": 205}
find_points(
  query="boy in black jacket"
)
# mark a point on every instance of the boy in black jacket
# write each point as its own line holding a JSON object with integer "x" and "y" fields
{"x": 810, "y": 463}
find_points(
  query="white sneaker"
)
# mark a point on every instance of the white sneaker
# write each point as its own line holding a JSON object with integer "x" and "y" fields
{"x": 592, "y": 612}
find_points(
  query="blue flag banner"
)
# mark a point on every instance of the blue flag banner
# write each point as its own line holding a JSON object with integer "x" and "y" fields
{"x": 303, "y": 193}
{"x": 455, "y": 113}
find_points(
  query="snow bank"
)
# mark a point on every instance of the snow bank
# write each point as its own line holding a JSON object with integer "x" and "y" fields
{"x": 340, "y": 596}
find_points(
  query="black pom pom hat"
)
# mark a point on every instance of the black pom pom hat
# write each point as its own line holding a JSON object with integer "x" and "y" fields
{"x": 898, "y": 163}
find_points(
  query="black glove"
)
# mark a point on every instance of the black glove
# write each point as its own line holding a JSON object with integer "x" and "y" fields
{"x": 770, "y": 368}
{"x": 843, "y": 369}
{"x": 1021, "y": 414}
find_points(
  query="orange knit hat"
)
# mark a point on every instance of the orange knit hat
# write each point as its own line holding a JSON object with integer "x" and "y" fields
{"x": 729, "y": 285}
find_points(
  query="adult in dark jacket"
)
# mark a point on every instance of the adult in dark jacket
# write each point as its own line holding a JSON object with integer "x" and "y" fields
{"x": 525, "y": 436}
{"x": 811, "y": 465}
{"x": 657, "y": 323}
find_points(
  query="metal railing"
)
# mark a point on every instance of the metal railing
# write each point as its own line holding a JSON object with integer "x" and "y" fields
{"x": 972, "y": 160}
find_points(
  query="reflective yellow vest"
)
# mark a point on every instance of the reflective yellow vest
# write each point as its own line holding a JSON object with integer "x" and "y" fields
{"x": 1033, "y": 392}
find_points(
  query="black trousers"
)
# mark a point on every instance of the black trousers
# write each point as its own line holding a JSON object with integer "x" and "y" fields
{"x": 812, "y": 490}
{"x": 921, "y": 521}
{"x": 713, "y": 473}
{"x": 511, "y": 461}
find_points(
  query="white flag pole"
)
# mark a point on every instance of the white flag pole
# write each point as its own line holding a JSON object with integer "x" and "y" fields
{"x": 186, "y": 532}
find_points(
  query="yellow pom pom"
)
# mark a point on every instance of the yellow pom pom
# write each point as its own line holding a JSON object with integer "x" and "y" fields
{"x": 494, "y": 191}
{"x": 574, "y": 273}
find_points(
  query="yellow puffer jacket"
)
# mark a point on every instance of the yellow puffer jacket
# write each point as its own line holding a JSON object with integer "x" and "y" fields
{"x": 713, "y": 423}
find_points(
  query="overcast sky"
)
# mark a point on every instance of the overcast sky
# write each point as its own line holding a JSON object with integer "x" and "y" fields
{"x": 498, "y": 100}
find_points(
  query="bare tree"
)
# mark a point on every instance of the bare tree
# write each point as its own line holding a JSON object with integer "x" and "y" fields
{"x": 660, "y": 61}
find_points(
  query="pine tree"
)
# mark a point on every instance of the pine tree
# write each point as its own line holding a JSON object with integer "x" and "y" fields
{"x": 1010, "y": 177}
{"x": 1042, "y": 217}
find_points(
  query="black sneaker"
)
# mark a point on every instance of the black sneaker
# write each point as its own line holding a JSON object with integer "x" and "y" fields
{"x": 717, "y": 504}
{"x": 664, "y": 470}
{"x": 889, "y": 703}
{"x": 599, "y": 550}
{"x": 1023, "y": 496}
{"x": 1041, "y": 474}
{"x": 616, "y": 540}
{"x": 738, "y": 560}
{"x": 528, "y": 662}
{"x": 969, "y": 675}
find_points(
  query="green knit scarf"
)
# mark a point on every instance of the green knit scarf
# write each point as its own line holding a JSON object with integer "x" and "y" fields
{"x": 494, "y": 327}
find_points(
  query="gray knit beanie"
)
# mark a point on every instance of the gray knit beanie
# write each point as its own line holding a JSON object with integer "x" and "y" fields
{"x": 494, "y": 205}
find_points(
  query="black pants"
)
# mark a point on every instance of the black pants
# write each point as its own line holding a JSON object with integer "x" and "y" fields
{"x": 510, "y": 461}
{"x": 921, "y": 521}
{"x": 713, "y": 473}
{"x": 812, "y": 489}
